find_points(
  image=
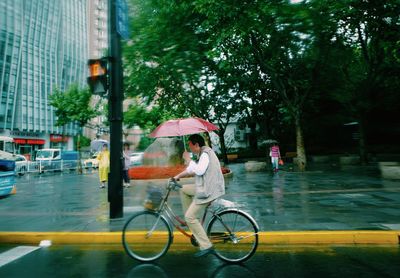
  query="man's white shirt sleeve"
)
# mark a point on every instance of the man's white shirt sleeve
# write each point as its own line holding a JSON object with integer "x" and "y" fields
{"x": 199, "y": 168}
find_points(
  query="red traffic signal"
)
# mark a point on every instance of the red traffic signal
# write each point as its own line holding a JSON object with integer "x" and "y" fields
{"x": 98, "y": 78}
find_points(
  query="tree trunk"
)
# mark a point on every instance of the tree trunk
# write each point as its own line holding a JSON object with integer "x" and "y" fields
{"x": 62, "y": 138}
{"x": 208, "y": 139}
{"x": 253, "y": 136}
{"x": 223, "y": 146}
{"x": 362, "y": 144}
{"x": 78, "y": 146}
{"x": 301, "y": 152}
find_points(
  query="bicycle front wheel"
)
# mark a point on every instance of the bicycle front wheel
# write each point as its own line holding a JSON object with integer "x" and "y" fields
{"x": 146, "y": 236}
{"x": 234, "y": 235}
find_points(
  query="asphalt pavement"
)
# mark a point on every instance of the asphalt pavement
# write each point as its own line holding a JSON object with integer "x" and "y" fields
{"x": 326, "y": 201}
{"x": 281, "y": 261}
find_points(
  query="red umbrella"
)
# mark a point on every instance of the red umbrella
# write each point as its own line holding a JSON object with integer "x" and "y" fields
{"x": 182, "y": 127}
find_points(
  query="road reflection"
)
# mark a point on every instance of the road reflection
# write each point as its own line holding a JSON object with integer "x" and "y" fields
{"x": 233, "y": 270}
{"x": 147, "y": 270}
{"x": 278, "y": 184}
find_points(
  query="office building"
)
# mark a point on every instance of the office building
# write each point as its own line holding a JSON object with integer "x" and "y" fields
{"x": 98, "y": 28}
{"x": 43, "y": 46}
{"x": 98, "y": 46}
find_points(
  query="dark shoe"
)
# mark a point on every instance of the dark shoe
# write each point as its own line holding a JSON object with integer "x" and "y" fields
{"x": 205, "y": 252}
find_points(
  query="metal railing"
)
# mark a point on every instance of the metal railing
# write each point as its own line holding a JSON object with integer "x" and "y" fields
{"x": 43, "y": 166}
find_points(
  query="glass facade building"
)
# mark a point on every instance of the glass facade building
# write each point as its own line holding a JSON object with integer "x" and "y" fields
{"x": 98, "y": 28}
{"x": 43, "y": 46}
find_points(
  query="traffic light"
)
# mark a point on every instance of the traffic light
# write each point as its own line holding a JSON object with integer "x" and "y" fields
{"x": 98, "y": 77}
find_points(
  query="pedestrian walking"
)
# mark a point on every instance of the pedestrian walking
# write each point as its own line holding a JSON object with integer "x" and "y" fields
{"x": 275, "y": 155}
{"x": 209, "y": 185}
{"x": 104, "y": 165}
{"x": 127, "y": 161}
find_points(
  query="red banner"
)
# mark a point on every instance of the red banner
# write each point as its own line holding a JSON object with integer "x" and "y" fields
{"x": 56, "y": 138}
{"x": 23, "y": 141}
{"x": 20, "y": 141}
{"x": 35, "y": 142}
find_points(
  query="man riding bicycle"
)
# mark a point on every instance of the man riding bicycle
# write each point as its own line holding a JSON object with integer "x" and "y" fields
{"x": 209, "y": 185}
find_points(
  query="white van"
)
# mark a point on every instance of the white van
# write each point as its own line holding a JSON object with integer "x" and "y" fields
{"x": 7, "y": 144}
{"x": 56, "y": 159}
{"x": 48, "y": 154}
{"x": 47, "y": 159}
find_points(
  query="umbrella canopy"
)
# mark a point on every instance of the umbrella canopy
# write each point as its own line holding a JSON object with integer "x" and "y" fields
{"x": 182, "y": 127}
{"x": 269, "y": 141}
{"x": 97, "y": 144}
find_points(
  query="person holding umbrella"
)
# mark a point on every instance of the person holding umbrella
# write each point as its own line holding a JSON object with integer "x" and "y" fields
{"x": 275, "y": 155}
{"x": 127, "y": 161}
{"x": 209, "y": 185}
{"x": 104, "y": 165}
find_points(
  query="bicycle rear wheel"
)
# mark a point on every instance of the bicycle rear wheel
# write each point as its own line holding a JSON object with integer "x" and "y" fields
{"x": 146, "y": 236}
{"x": 234, "y": 235}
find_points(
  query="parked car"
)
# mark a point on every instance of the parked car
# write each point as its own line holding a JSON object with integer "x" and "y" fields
{"x": 21, "y": 165}
{"x": 7, "y": 177}
{"x": 56, "y": 159}
{"x": 92, "y": 162}
{"x": 136, "y": 158}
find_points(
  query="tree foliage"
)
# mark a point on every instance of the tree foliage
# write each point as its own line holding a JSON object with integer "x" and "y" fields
{"x": 272, "y": 63}
{"x": 168, "y": 64}
{"x": 146, "y": 118}
{"x": 73, "y": 106}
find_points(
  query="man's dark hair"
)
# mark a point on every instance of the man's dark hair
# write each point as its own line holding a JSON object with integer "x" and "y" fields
{"x": 197, "y": 139}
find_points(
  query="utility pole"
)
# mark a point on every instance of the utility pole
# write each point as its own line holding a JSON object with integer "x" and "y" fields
{"x": 115, "y": 189}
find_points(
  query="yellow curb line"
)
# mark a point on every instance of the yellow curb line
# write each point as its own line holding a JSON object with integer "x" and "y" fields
{"x": 265, "y": 238}
{"x": 330, "y": 237}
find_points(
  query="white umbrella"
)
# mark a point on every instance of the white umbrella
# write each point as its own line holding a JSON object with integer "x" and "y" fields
{"x": 97, "y": 144}
{"x": 269, "y": 141}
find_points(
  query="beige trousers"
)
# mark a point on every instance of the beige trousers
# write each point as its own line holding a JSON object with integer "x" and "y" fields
{"x": 193, "y": 213}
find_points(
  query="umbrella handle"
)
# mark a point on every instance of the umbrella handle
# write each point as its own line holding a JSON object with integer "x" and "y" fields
{"x": 184, "y": 143}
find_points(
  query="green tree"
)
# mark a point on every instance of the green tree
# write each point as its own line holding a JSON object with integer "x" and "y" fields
{"x": 266, "y": 60}
{"x": 276, "y": 48}
{"x": 370, "y": 33}
{"x": 73, "y": 106}
{"x": 169, "y": 64}
{"x": 145, "y": 117}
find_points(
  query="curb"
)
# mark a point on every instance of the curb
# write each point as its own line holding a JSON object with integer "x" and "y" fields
{"x": 265, "y": 238}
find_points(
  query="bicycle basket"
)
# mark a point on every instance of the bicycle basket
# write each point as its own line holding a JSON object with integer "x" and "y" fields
{"x": 154, "y": 197}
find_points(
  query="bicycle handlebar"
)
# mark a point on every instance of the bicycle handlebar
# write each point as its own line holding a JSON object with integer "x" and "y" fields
{"x": 174, "y": 183}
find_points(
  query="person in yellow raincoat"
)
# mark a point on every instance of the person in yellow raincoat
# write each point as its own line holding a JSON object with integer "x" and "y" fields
{"x": 104, "y": 165}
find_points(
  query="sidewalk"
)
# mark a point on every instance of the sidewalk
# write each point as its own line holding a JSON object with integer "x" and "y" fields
{"x": 323, "y": 205}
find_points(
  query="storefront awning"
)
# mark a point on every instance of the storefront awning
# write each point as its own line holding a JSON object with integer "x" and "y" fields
{"x": 35, "y": 142}
{"x": 20, "y": 141}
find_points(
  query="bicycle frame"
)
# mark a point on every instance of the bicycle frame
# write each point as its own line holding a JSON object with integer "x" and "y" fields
{"x": 228, "y": 228}
{"x": 165, "y": 211}
{"x": 177, "y": 222}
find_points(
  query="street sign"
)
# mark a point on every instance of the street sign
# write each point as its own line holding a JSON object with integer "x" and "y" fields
{"x": 122, "y": 18}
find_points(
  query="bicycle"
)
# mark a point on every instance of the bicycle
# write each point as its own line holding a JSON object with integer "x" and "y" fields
{"x": 147, "y": 235}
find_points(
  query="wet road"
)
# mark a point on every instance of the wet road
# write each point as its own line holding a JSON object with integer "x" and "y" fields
{"x": 325, "y": 198}
{"x": 111, "y": 261}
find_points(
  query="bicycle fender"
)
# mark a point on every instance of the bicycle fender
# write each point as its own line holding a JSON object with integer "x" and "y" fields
{"x": 237, "y": 210}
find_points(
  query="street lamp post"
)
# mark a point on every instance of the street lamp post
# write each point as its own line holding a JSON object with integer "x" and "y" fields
{"x": 115, "y": 189}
